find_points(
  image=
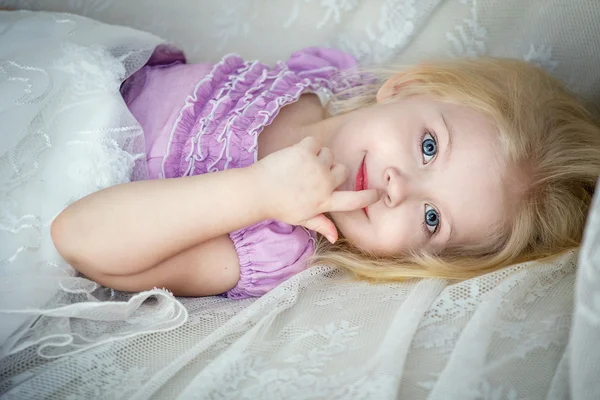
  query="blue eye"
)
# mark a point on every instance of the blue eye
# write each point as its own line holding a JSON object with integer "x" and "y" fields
{"x": 432, "y": 219}
{"x": 428, "y": 147}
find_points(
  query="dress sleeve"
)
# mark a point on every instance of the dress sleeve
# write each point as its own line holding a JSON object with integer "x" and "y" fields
{"x": 330, "y": 71}
{"x": 314, "y": 58}
{"x": 269, "y": 253}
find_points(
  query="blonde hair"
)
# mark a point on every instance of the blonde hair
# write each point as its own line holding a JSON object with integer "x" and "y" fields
{"x": 545, "y": 132}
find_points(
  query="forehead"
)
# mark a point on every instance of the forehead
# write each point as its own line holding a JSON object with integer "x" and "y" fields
{"x": 473, "y": 190}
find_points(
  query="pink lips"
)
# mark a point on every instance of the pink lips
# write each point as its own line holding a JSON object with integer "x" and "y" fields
{"x": 362, "y": 179}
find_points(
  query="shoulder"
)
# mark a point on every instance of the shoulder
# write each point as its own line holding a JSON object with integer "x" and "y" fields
{"x": 319, "y": 57}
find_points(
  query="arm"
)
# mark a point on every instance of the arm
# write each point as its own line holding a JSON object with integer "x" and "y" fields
{"x": 206, "y": 269}
{"x": 148, "y": 230}
{"x": 127, "y": 228}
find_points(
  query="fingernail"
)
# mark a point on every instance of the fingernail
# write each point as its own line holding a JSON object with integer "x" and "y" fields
{"x": 331, "y": 239}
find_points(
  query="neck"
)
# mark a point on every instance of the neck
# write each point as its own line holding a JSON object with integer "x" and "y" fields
{"x": 295, "y": 122}
{"x": 324, "y": 131}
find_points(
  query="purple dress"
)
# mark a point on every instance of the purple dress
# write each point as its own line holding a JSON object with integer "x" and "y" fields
{"x": 202, "y": 118}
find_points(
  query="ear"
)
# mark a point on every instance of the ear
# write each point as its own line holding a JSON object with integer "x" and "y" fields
{"x": 391, "y": 87}
{"x": 388, "y": 89}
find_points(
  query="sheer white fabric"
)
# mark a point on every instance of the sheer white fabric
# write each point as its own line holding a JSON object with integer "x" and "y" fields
{"x": 584, "y": 354}
{"x": 65, "y": 132}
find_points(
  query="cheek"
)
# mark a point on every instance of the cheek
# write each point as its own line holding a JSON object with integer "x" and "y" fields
{"x": 389, "y": 238}
{"x": 393, "y": 240}
{"x": 384, "y": 235}
{"x": 399, "y": 230}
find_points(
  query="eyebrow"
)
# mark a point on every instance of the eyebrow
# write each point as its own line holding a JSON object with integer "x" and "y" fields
{"x": 449, "y": 134}
{"x": 450, "y": 235}
{"x": 447, "y": 152}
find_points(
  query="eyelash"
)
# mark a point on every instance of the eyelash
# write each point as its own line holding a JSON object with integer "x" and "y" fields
{"x": 422, "y": 138}
{"x": 420, "y": 147}
{"x": 426, "y": 230}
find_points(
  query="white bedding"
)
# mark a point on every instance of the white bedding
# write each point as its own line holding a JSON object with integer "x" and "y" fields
{"x": 523, "y": 332}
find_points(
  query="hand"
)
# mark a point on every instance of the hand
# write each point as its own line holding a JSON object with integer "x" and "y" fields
{"x": 299, "y": 183}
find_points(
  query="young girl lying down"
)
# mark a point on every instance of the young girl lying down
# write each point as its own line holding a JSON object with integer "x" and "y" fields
{"x": 450, "y": 169}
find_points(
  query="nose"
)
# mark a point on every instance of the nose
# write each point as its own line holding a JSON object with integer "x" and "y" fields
{"x": 396, "y": 187}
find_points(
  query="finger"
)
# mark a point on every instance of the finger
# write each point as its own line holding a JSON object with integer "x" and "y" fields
{"x": 324, "y": 226}
{"x": 340, "y": 173}
{"x": 325, "y": 156}
{"x": 311, "y": 144}
{"x": 348, "y": 200}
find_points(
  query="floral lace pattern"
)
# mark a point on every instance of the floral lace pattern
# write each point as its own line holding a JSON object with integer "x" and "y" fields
{"x": 374, "y": 31}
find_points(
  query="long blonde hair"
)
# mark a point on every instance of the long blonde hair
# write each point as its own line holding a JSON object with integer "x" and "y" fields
{"x": 545, "y": 132}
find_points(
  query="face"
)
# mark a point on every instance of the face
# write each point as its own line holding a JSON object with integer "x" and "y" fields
{"x": 437, "y": 166}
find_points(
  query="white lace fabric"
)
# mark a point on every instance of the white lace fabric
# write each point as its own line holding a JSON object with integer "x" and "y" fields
{"x": 523, "y": 332}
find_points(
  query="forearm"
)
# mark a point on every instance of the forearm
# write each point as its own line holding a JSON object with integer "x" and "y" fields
{"x": 139, "y": 224}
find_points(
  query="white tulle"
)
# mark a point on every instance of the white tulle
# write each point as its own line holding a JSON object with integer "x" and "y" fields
{"x": 65, "y": 133}
{"x": 524, "y": 332}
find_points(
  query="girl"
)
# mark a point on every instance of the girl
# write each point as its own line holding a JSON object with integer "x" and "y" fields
{"x": 450, "y": 169}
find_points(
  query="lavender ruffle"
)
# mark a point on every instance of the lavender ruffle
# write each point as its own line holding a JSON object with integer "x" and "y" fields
{"x": 219, "y": 124}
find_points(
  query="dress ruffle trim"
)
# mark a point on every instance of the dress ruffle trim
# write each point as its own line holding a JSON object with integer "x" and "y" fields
{"x": 235, "y": 101}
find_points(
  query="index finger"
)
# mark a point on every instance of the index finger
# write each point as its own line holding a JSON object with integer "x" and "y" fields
{"x": 349, "y": 200}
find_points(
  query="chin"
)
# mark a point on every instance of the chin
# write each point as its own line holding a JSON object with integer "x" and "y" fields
{"x": 357, "y": 244}
{"x": 350, "y": 222}
{"x": 370, "y": 248}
